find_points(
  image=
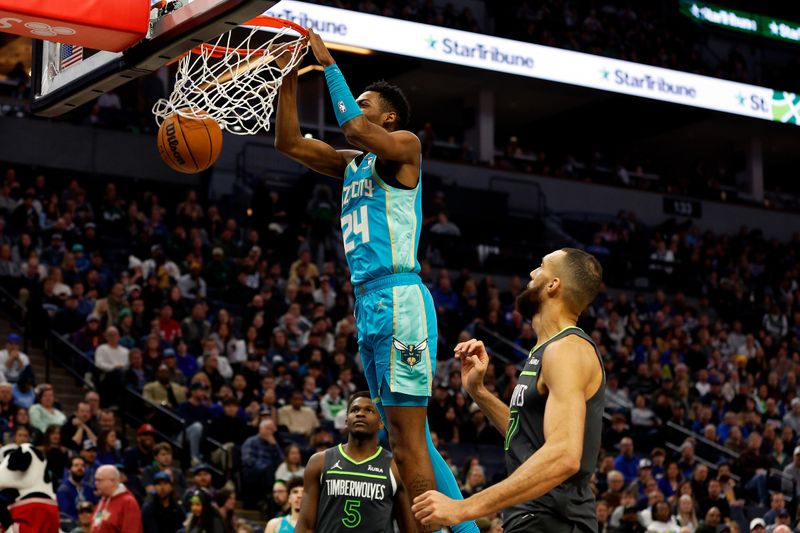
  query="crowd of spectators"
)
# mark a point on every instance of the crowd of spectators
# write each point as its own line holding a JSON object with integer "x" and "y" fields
{"x": 249, "y": 338}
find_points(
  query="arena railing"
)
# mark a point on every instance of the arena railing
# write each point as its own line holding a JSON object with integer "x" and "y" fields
{"x": 502, "y": 348}
{"x": 705, "y": 441}
{"x": 136, "y": 409}
{"x": 78, "y": 364}
{"x": 540, "y": 202}
{"x": 784, "y": 479}
{"x": 709, "y": 464}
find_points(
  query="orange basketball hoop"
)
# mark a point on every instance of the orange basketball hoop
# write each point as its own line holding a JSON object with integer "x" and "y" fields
{"x": 234, "y": 78}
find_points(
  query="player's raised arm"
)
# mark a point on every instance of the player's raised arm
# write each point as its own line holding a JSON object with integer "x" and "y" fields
{"x": 392, "y": 144}
{"x": 308, "y": 509}
{"x": 402, "y": 506}
{"x": 312, "y": 153}
{"x": 474, "y": 362}
{"x": 569, "y": 371}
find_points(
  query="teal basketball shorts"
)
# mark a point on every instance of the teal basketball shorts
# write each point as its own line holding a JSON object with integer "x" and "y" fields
{"x": 397, "y": 338}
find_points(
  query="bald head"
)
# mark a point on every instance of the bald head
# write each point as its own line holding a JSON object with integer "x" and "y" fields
{"x": 107, "y": 480}
{"x": 782, "y": 529}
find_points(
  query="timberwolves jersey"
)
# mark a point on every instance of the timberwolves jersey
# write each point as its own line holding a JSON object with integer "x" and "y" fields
{"x": 356, "y": 496}
{"x": 570, "y": 506}
{"x": 380, "y": 223}
{"x": 286, "y": 526}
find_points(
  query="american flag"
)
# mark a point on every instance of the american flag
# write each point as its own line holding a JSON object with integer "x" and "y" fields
{"x": 70, "y": 54}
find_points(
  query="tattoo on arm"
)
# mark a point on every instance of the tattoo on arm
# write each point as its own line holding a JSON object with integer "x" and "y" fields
{"x": 420, "y": 484}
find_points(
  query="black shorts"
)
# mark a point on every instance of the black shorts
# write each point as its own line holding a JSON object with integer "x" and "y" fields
{"x": 546, "y": 523}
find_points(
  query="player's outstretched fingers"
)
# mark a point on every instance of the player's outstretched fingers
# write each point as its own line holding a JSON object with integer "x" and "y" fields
{"x": 465, "y": 347}
{"x": 423, "y": 506}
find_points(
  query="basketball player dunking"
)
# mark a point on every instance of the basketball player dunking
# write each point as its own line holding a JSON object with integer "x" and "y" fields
{"x": 553, "y": 424}
{"x": 381, "y": 218}
{"x": 355, "y": 486}
{"x": 287, "y": 524}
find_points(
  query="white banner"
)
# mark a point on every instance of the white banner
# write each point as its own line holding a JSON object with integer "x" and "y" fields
{"x": 535, "y": 61}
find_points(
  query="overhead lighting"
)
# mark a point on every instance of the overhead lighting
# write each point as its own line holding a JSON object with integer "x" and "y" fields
{"x": 349, "y": 48}
{"x": 309, "y": 68}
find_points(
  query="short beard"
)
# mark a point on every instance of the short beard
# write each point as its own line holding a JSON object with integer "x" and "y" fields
{"x": 529, "y": 302}
{"x": 361, "y": 434}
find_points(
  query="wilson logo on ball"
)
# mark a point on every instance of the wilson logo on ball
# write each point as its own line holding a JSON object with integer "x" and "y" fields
{"x": 172, "y": 142}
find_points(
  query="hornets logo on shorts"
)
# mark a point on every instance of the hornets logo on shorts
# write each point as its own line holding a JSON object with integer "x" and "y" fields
{"x": 411, "y": 353}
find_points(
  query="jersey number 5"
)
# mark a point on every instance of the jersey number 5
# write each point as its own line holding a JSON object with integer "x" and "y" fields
{"x": 355, "y": 222}
{"x": 353, "y": 516}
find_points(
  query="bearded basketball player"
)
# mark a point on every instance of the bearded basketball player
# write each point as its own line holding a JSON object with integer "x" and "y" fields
{"x": 553, "y": 424}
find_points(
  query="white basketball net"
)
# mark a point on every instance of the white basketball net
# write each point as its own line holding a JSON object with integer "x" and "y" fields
{"x": 233, "y": 81}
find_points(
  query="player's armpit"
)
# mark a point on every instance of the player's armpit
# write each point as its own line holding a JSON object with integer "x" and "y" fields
{"x": 402, "y": 505}
{"x": 307, "y": 520}
{"x": 398, "y": 146}
{"x": 312, "y": 153}
{"x": 319, "y": 156}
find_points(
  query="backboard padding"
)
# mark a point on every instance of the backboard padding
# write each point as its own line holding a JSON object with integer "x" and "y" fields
{"x": 57, "y": 92}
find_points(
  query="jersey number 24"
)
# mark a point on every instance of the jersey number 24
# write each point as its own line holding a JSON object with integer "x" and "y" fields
{"x": 355, "y": 222}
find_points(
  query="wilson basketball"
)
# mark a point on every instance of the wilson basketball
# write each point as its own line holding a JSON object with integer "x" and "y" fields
{"x": 189, "y": 145}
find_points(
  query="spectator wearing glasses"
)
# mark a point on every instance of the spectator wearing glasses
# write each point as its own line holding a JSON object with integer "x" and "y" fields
{"x": 118, "y": 511}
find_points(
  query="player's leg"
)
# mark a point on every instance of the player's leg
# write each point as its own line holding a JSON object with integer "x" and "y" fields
{"x": 405, "y": 391}
{"x": 407, "y": 435}
{"x": 445, "y": 480}
{"x": 407, "y": 412}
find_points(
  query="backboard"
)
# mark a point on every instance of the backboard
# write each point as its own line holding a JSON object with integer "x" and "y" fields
{"x": 63, "y": 78}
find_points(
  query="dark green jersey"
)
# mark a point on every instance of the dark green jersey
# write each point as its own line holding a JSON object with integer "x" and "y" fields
{"x": 572, "y": 500}
{"x": 356, "y": 495}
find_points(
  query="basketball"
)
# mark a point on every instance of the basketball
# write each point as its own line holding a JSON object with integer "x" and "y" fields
{"x": 189, "y": 145}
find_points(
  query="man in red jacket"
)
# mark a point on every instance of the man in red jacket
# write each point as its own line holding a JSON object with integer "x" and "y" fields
{"x": 117, "y": 511}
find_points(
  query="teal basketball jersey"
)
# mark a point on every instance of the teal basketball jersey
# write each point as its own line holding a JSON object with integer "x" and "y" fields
{"x": 380, "y": 223}
{"x": 286, "y": 526}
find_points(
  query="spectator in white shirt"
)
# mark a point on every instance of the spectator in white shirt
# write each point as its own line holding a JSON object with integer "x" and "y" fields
{"x": 750, "y": 347}
{"x": 113, "y": 360}
{"x": 736, "y": 338}
{"x": 325, "y": 294}
{"x": 12, "y": 360}
{"x": 111, "y": 356}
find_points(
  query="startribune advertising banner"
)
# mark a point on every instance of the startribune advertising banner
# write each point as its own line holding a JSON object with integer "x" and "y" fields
{"x": 435, "y": 43}
{"x": 733, "y": 19}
